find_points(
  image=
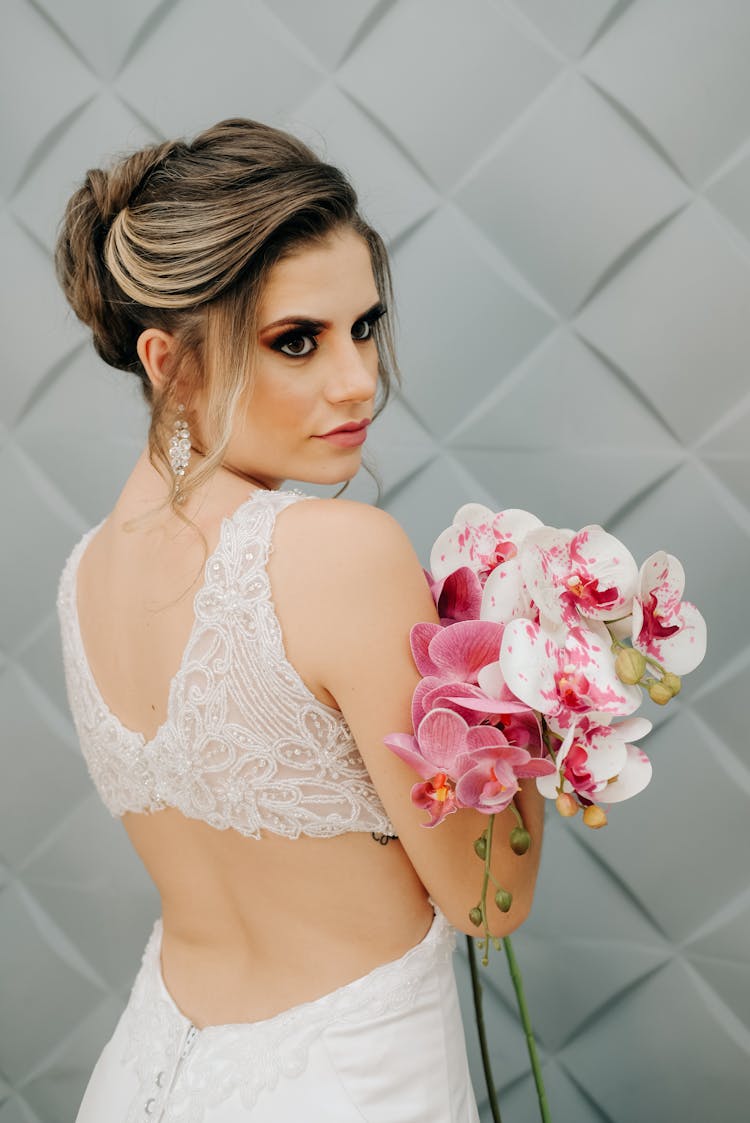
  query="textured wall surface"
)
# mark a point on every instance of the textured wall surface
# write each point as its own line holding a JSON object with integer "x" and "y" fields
{"x": 564, "y": 186}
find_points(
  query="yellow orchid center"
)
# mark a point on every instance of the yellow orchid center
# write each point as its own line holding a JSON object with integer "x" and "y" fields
{"x": 441, "y": 789}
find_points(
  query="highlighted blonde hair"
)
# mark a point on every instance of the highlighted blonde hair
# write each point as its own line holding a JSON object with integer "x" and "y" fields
{"x": 181, "y": 236}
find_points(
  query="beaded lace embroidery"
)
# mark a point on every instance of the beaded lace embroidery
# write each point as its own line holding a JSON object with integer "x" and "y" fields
{"x": 245, "y": 744}
{"x": 246, "y": 1057}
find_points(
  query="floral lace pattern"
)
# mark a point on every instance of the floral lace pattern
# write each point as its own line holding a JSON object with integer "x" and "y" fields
{"x": 183, "y": 1071}
{"x": 245, "y": 744}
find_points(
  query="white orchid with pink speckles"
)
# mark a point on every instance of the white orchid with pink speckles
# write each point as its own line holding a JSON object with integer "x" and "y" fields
{"x": 547, "y": 640}
{"x": 664, "y": 626}
{"x": 546, "y": 637}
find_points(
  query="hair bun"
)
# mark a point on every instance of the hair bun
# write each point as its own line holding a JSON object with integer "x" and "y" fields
{"x": 79, "y": 252}
{"x": 112, "y": 190}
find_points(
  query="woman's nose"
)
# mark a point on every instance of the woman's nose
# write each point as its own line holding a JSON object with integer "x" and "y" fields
{"x": 354, "y": 371}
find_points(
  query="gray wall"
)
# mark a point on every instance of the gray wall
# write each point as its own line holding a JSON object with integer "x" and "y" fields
{"x": 565, "y": 189}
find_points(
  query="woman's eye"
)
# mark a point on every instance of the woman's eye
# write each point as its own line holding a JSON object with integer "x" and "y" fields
{"x": 293, "y": 342}
{"x": 292, "y": 345}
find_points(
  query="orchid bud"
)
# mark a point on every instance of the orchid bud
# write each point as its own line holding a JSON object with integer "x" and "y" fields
{"x": 475, "y": 916}
{"x": 594, "y": 817}
{"x": 630, "y": 666}
{"x": 566, "y": 805}
{"x": 673, "y": 682}
{"x": 480, "y": 847}
{"x": 503, "y": 899}
{"x": 520, "y": 840}
{"x": 660, "y": 693}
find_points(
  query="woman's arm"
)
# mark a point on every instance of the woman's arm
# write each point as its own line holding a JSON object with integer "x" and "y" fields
{"x": 364, "y": 589}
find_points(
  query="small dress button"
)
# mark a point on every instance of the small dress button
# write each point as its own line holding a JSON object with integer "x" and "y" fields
{"x": 150, "y": 1105}
{"x": 159, "y": 1079}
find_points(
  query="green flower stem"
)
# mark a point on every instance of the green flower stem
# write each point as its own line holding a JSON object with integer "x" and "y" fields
{"x": 483, "y": 899}
{"x": 546, "y": 734}
{"x": 515, "y": 975}
{"x": 476, "y": 988}
{"x": 517, "y": 814}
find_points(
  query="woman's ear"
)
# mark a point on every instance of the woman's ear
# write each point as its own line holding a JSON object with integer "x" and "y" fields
{"x": 154, "y": 349}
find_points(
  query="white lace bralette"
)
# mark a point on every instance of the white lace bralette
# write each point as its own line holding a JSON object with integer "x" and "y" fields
{"x": 245, "y": 743}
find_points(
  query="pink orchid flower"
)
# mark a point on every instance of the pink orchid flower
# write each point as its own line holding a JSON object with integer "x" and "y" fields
{"x": 670, "y": 630}
{"x": 458, "y": 650}
{"x": 451, "y": 659}
{"x": 446, "y": 748}
{"x": 490, "y": 785}
{"x": 436, "y": 753}
{"x": 571, "y": 575}
{"x": 562, "y": 681}
{"x": 596, "y": 761}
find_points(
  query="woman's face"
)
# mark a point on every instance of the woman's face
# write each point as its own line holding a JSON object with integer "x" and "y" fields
{"x": 310, "y": 378}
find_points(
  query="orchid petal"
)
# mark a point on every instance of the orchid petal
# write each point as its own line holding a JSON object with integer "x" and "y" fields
{"x": 537, "y": 766}
{"x": 665, "y": 572}
{"x": 584, "y": 648}
{"x": 606, "y": 755}
{"x": 421, "y": 797}
{"x": 548, "y": 785}
{"x": 482, "y": 748}
{"x": 474, "y": 792}
{"x": 527, "y": 661}
{"x": 442, "y": 736}
{"x": 482, "y": 704}
{"x": 490, "y": 680}
{"x": 465, "y": 647}
{"x": 608, "y": 561}
{"x": 461, "y": 595}
{"x": 405, "y": 747}
{"x": 503, "y": 596}
{"x": 420, "y": 702}
{"x": 463, "y": 697}
{"x": 456, "y": 546}
{"x": 633, "y": 778}
{"x": 632, "y": 728}
{"x": 680, "y": 652}
{"x": 420, "y": 638}
{"x": 543, "y": 552}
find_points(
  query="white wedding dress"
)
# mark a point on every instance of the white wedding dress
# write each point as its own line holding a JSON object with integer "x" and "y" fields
{"x": 247, "y": 746}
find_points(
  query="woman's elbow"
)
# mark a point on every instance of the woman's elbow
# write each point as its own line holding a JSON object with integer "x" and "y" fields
{"x": 457, "y": 906}
{"x": 499, "y": 923}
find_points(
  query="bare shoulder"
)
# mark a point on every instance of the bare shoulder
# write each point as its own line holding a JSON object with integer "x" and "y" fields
{"x": 347, "y": 587}
{"x": 342, "y": 522}
{"x": 355, "y": 556}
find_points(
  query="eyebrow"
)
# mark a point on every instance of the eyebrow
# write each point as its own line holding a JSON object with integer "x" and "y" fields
{"x": 305, "y": 322}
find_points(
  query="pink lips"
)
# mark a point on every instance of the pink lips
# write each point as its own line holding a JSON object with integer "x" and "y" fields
{"x": 350, "y": 427}
{"x": 349, "y": 435}
{"x": 347, "y": 438}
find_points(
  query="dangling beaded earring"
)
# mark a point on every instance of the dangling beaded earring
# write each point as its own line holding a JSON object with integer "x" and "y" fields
{"x": 179, "y": 451}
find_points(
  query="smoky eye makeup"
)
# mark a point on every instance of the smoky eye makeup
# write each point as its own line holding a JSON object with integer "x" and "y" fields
{"x": 310, "y": 329}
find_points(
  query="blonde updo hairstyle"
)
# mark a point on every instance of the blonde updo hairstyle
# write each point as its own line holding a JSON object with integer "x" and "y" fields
{"x": 181, "y": 236}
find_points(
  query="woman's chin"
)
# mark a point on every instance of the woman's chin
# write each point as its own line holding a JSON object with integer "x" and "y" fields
{"x": 332, "y": 475}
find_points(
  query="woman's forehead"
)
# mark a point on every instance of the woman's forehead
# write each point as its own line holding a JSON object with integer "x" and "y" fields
{"x": 318, "y": 273}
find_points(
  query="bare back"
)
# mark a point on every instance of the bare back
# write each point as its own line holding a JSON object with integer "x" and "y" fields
{"x": 251, "y": 926}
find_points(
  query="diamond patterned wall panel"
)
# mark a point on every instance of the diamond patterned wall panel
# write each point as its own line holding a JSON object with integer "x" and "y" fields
{"x": 564, "y": 186}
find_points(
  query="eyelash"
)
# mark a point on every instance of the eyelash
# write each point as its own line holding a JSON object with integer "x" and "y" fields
{"x": 292, "y": 337}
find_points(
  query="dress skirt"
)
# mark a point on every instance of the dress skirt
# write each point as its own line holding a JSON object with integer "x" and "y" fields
{"x": 388, "y": 1047}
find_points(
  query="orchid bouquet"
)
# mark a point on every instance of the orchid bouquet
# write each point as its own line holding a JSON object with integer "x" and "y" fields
{"x": 545, "y": 636}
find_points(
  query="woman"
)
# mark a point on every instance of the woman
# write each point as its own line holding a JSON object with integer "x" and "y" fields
{"x": 235, "y": 655}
